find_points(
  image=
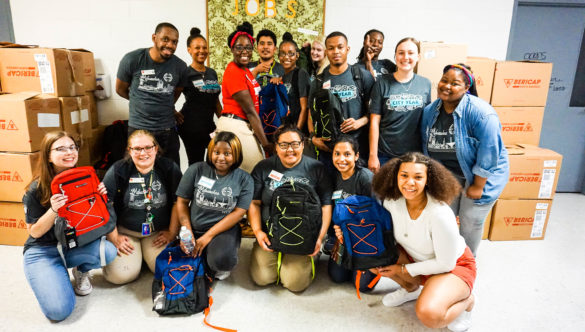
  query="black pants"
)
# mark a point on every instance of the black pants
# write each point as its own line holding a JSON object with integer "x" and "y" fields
{"x": 168, "y": 140}
{"x": 195, "y": 142}
{"x": 221, "y": 254}
{"x": 339, "y": 274}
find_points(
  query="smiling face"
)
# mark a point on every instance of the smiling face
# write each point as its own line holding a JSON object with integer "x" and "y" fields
{"x": 222, "y": 157}
{"x": 287, "y": 55}
{"x": 266, "y": 48}
{"x": 198, "y": 50}
{"x": 412, "y": 179}
{"x": 143, "y": 152}
{"x": 344, "y": 158}
{"x": 317, "y": 51}
{"x": 289, "y": 156}
{"x": 452, "y": 86}
{"x": 242, "y": 51}
{"x": 337, "y": 50}
{"x": 406, "y": 56}
{"x": 376, "y": 43}
{"x": 165, "y": 42}
{"x": 63, "y": 154}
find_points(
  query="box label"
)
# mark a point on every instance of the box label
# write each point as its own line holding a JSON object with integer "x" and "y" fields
{"x": 542, "y": 206}
{"x": 515, "y": 83}
{"x": 75, "y": 117}
{"x": 84, "y": 115}
{"x": 7, "y": 176}
{"x": 12, "y": 223}
{"x": 538, "y": 224}
{"x": 546, "y": 185}
{"x": 47, "y": 120}
{"x": 550, "y": 163}
{"x": 7, "y": 125}
{"x": 45, "y": 75}
{"x": 429, "y": 54}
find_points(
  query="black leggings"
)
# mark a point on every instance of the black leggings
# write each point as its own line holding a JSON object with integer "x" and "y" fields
{"x": 221, "y": 254}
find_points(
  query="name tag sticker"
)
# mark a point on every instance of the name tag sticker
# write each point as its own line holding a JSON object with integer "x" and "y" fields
{"x": 274, "y": 175}
{"x": 198, "y": 83}
{"x": 147, "y": 72}
{"x": 336, "y": 194}
{"x": 257, "y": 90}
{"x": 136, "y": 180}
{"x": 327, "y": 85}
{"x": 206, "y": 182}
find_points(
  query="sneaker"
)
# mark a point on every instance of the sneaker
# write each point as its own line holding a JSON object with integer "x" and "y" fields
{"x": 221, "y": 275}
{"x": 400, "y": 296}
{"x": 327, "y": 247}
{"x": 463, "y": 321}
{"x": 82, "y": 282}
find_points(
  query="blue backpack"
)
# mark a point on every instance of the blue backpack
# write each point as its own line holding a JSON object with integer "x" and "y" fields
{"x": 367, "y": 233}
{"x": 273, "y": 100}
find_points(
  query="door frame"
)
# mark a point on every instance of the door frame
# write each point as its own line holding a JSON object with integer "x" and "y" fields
{"x": 6, "y": 21}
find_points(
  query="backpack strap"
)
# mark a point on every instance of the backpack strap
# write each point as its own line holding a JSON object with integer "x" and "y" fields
{"x": 206, "y": 313}
{"x": 103, "y": 251}
{"x": 356, "y": 74}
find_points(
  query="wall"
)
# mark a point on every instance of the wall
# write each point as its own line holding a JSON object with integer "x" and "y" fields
{"x": 111, "y": 28}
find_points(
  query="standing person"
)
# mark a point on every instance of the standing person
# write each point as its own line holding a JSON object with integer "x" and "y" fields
{"x": 297, "y": 82}
{"x": 368, "y": 57}
{"x": 463, "y": 132}
{"x": 295, "y": 272}
{"x": 417, "y": 190}
{"x": 350, "y": 179}
{"x": 266, "y": 67}
{"x": 45, "y": 267}
{"x": 213, "y": 196}
{"x": 142, "y": 187}
{"x": 240, "y": 99}
{"x": 315, "y": 51}
{"x": 201, "y": 100}
{"x": 152, "y": 79}
{"x": 396, "y": 106}
{"x": 354, "y": 96}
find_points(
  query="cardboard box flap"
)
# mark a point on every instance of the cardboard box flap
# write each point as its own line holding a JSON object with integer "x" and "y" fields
{"x": 12, "y": 45}
{"x": 80, "y": 50}
{"x": 19, "y": 96}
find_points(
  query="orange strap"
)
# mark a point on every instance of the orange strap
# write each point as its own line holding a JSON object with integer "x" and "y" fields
{"x": 374, "y": 281}
{"x": 206, "y": 313}
{"x": 357, "y": 283}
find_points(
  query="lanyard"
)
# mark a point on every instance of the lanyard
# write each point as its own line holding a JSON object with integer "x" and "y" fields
{"x": 148, "y": 204}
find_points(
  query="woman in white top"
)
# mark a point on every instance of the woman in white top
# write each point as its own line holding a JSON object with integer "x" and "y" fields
{"x": 417, "y": 190}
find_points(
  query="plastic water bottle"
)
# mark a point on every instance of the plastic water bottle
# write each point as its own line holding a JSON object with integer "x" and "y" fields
{"x": 186, "y": 238}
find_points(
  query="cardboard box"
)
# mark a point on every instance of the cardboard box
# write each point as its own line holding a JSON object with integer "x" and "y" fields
{"x": 519, "y": 83}
{"x": 486, "y": 225}
{"x": 88, "y": 68}
{"x": 58, "y": 72}
{"x": 16, "y": 172}
{"x": 93, "y": 111}
{"x": 521, "y": 124}
{"x": 84, "y": 156}
{"x": 75, "y": 115}
{"x": 534, "y": 173}
{"x": 520, "y": 219}
{"x": 96, "y": 144}
{"x": 25, "y": 118}
{"x": 13, "y": 229}
{"x": 483, "y": 70}
{"x": 434, "y": 56}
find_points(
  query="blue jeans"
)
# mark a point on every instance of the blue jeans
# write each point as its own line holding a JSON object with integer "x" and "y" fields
{"x": 49, "y": 279}
{"x": 471, "y": 219}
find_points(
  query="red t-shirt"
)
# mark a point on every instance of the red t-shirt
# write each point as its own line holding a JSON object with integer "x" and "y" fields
{"x": 236, "y": 79}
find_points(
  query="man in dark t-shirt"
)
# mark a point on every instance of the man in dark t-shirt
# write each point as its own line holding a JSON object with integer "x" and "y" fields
{"x": 266, "y": 68}
{"x": 152, "y": 79}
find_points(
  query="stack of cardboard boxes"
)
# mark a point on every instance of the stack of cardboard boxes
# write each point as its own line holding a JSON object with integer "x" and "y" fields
{"x": 43, "y": 90}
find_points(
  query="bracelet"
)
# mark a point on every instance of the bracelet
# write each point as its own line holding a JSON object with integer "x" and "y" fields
{"x": 402, "y": 269}
{"x": 51, "y": 207}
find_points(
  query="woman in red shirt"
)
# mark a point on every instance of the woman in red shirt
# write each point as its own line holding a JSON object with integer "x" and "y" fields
{"x": 240, "y": 99}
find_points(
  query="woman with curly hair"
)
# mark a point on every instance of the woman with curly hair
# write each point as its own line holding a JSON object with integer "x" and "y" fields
{"x": 417, "y": 190}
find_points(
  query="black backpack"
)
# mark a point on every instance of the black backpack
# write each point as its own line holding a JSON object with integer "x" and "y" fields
{"x": 295, "y": 219}
{"x": 113, "y": 144}
{"x": 326, "y": 108}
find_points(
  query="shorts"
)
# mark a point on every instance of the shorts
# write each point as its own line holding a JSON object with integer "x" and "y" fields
{"x": 465, "y": 269}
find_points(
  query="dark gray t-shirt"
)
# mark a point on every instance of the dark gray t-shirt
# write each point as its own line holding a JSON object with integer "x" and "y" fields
{"x": 33, "y": 210}
{"x": 152, "y": 88}
{"x": 201, "y": 92}
{"x": 303, "y": 86}
{"x": 400, "y": 106}
{"x": 277, "y": 70}
{"x": 269, "y": 174}
{"x": 134, "y": 210}
{"x": 360, "y": 183}
{"x": 441, "y": 144}
{"x": 213, "y": 197}
{"x": 381, "y": 67}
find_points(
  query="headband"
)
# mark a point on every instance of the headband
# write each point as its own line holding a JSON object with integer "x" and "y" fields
{"x": 240, "y": 33}
{"x": 466, "y": 71}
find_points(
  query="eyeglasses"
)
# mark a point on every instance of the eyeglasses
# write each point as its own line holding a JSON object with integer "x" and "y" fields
{"x": 285, "y": 145}
{"x": 138, "y": 150}
{"x": 289, "y": 54}
{"x": 65, "y": 149}
{"x": 240, "y": 48}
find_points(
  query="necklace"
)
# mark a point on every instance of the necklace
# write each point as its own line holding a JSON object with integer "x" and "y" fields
{"x": 409, "y": 84}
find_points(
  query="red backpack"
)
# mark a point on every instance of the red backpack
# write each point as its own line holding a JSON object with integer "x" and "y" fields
{"x": 85, "y": 217}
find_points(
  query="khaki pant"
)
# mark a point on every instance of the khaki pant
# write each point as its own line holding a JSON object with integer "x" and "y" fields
{"x": 251, "y": 148}
{"x": 126, "y": 268}
{"x": 296, "y": 271}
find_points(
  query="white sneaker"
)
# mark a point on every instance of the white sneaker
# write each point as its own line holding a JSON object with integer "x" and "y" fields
{"x": 400, "y": 296}
{"x": 463, "y": 321}
{"x": 221, "y": 275}
{"x": 82, "y": 283}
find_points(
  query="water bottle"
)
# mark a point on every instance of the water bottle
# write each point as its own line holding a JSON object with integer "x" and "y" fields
{"x": 186, "y": 238}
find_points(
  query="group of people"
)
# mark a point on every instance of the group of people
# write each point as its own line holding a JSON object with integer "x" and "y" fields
{"x": 428, "y": 163}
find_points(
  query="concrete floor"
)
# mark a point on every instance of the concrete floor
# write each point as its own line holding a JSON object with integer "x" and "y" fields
{"x": 521, "y": 286}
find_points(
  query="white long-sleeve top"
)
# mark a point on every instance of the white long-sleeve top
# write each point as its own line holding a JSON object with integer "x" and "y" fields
{"x": 432, "y": 240}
